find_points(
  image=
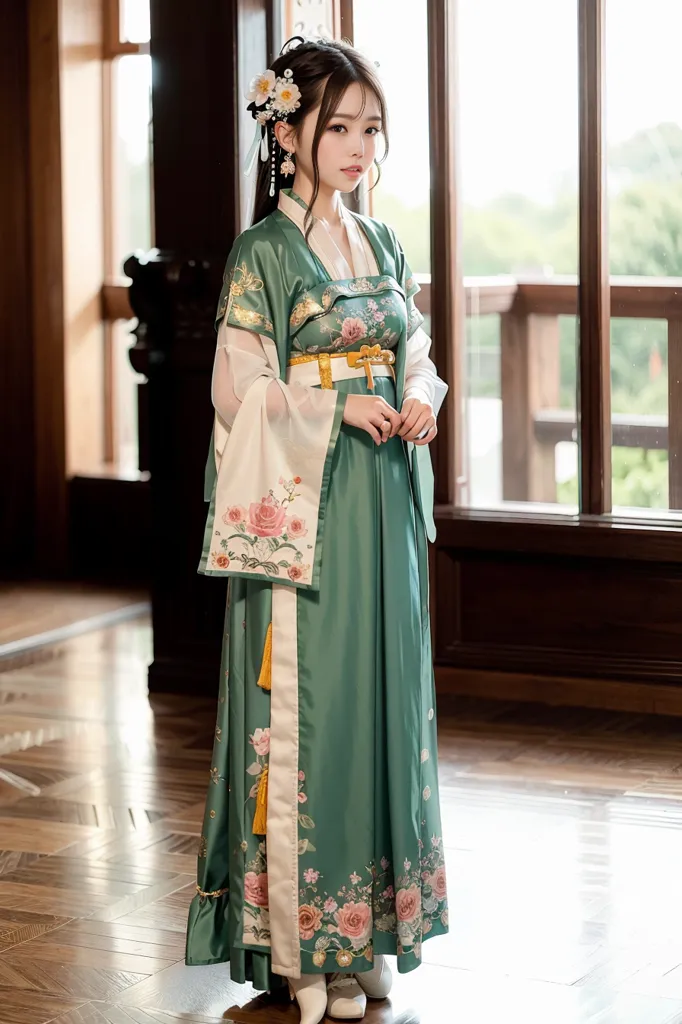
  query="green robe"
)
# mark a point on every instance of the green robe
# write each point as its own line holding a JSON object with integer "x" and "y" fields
{"x": 351, "y": 712}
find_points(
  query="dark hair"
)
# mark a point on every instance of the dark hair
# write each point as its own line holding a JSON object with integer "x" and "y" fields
{"x": 312, "y": 62}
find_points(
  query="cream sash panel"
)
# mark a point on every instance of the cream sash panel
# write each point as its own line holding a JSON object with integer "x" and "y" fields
{"x": 283, "y": 805}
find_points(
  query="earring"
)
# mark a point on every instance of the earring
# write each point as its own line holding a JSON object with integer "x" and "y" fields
{"x": 288, "y": 166}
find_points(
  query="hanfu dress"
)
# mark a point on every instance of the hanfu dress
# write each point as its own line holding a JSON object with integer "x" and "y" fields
{"x": 321, "y": 843}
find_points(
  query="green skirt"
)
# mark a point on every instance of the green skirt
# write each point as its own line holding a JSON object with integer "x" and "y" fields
{"x": 370, "y": 852}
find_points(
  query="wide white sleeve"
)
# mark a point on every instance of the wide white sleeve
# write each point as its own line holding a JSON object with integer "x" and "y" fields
{"x": 274, "y": 446}
{"x": 421, "y": 377}
{"x": 241, "y": 358}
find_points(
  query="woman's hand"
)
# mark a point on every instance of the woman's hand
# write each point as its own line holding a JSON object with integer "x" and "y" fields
{"x": 373, "y": 414}
{"x": 415, "y": 417}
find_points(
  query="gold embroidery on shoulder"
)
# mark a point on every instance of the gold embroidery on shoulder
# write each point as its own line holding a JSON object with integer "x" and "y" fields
{"x": 303, "y": 309}
{"x": 245, "y": 282}
{"x": 250, "y": 317}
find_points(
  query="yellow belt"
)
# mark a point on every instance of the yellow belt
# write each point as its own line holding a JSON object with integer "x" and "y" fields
{"x": 365, "y": 358}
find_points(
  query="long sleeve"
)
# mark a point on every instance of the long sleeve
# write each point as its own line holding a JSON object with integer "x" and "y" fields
{"x": 421, "y": 378}
{"x": 241, "y": 358}
{"x": 274, "y": 444}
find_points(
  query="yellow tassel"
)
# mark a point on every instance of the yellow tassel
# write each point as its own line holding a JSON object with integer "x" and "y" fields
{"x": 260, "y": 817}
{"x": 265, "y": 677}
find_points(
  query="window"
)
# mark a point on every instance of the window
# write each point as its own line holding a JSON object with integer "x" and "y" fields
{"x": 313, "y": 19}
{"x": 644, "y": 135}
{"x": 128, "y": 212}
{"x": 518, "y": 132}
{"x": 401, "y": 197}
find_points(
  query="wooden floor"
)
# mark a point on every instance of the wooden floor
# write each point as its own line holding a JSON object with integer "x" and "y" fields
{"x": 564, "y": 849}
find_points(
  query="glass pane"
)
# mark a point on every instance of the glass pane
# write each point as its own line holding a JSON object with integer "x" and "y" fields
{"x": 644, "y": 136}
{"x": 402, "y": 196}
{"x": 518, "y": 130}
{"x": 132, "y": 158}
{"x": 313, "y": 19}
{"x": 135, "y": 21}
{"x": 126, "y": 383}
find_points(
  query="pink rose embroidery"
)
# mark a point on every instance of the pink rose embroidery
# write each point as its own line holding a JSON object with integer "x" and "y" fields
{"x": 330, "y": 905}
{"x": 309, "y": 920}
{"x": 266, "y": 518}
{"x": 302, "y": 798}
{"x": 388, "y": 893}
{"x": 408, "y": 903}
{"x": 261, "y": 741}
{"x": 438, "y": 883}
{"x": 294, "y": 572}
{"x": 222, "y": 561}
{"x": 311, "y": 876}
{"x": 353, "y": 329}
{"x": 354, "y": 921}
{"x": 256, "y": 888}
{"x": 379, "y": 317}
{"x": 301, "y": 776}
{"x": 235, "y": 514}
{"x": 296, "y": 526}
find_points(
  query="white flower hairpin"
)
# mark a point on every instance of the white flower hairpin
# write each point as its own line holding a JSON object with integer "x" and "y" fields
{"x": 271, "y": 98}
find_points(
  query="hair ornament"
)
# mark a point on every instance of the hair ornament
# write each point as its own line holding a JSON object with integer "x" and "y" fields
{"x": 271, "y": 98}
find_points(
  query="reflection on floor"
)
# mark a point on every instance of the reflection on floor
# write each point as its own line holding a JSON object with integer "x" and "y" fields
{"x": 563, "y": 832}
{"x": 32, "y": 610}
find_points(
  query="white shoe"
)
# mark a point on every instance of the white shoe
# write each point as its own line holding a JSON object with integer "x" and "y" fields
{"x": 377, "y": 982}
{"x": 345, "y": 998}
{"x": 310, "y": 992}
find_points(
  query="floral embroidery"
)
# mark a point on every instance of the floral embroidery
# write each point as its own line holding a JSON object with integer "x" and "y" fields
{"x": 303, "y": 309}
{"x": 408, "y": 905}
{"x": 414, "y": 318}
{"x": 308, "y": 306}
{"x": 246, "y": 282}
{"x": 260, "y": 741}
{"x": 256, "y": 915}
{"x": 267, "y": 532}
{"x": 368, "y": 323}
{"x": 305, "y": 821}
{"x": 250, "y": 317}
{"x": 202, "y": 847}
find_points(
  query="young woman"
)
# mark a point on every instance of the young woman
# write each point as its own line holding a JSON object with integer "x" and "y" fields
{"x": 321, "y": 848}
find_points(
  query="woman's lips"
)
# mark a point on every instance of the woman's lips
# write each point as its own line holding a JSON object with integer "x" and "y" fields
{"x": 352, "y": 172}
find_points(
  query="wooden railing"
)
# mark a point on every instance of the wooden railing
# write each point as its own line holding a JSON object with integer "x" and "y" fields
{"x": 532, "y": 421}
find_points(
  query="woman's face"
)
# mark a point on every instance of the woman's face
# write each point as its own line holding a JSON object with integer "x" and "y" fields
{"x": 347, "y": 145}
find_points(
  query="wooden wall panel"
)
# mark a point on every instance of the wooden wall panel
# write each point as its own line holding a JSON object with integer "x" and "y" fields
{"x": 199, "y": 78}
{"x": 195, "y": 104}
{"x": 571, "y": 604}
{"x": 16, "y": 357}
{"x": 559, "y": 616}
{"x": 47, "y": 246}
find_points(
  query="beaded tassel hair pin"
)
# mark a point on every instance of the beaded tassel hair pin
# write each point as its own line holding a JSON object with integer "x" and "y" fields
{"x": 272, "y": 98}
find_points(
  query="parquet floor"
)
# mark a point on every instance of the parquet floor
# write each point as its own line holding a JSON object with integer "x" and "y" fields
{"x": 564, "y": 846}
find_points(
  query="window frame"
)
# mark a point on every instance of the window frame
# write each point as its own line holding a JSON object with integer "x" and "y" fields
{"x": 114, "y": 297}
{"x": 591, "y": 298}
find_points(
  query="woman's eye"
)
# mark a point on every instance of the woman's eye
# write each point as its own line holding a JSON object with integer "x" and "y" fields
{"x": 341, "y": 128}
